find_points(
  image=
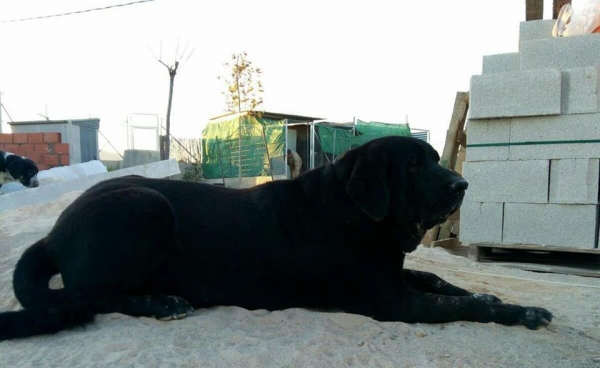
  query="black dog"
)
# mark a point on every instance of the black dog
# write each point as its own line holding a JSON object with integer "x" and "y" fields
{"x": 17, "y": 168}
{"x": 332, "y": 239}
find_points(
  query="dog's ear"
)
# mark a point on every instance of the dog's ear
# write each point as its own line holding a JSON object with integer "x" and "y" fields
{"x": 368, "y": 184}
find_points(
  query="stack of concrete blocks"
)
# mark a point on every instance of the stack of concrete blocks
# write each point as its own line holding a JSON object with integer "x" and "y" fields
{"x": 533, "y": 143}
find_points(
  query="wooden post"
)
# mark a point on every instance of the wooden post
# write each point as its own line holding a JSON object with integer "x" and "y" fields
{"x": 558, "y": 4}
{"x": 455, "y": 137}
{"x": 534, "y": 9}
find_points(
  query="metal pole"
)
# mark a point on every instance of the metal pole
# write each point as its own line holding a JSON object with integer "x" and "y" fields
{"x": 240, "y": 151}
{"x": 333, "y": 153}
{"x": 312, "y": 145}
{"x": 285, "y": 149}
{"x": 267, "y": 150}
{"x": 220, "y": 161}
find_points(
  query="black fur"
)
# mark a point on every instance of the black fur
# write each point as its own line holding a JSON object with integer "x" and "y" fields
{"x": 18, "y": 168}
{"x": 332, "y": 239}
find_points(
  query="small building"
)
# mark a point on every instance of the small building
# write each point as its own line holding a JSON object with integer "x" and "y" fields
{"x": 80, "y": 134}
{"x": 248, "y": 148}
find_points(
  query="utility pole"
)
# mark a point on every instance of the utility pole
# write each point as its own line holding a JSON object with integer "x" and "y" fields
{"x": 534, "y": 9}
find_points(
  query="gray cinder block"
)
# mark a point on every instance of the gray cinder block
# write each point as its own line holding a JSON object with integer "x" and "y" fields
{"x": 488, "y": 131}
{"x": 574, "y": 181}
{"x": 133, "y": 158}
{"x": 562, "y": 128}
{"x": 561, "y": 53}
{"x": 580, "y": 90}
{"x": 563, "y": 225}
{"x": 523, "y": 93}
{"x": 507, "y": 181}
{"x": 481, "y": 222}
{"x": 536, "y": 30}
{"x": 501, "y": 63}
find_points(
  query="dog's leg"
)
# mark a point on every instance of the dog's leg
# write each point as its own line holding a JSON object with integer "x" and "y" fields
{"x": 162, "y": 307}
{"x": 429, "y": 283}
{"x": 417, "y": 307}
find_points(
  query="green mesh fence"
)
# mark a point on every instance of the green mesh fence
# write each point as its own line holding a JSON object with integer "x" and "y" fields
{"x": 337, "y": 140}
{"x": 243, "y": 145}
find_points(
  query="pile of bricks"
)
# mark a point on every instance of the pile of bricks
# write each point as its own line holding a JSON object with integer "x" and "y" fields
{"x": 533, "y": 143}
{"x": 45, "y": 149}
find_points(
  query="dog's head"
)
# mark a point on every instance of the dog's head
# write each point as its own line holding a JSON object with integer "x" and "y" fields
{"x": 22, "y": 170}
{"x": 399, "y": 180}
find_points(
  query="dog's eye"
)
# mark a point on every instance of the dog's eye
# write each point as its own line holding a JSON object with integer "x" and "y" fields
{"x": 415, "y": 162}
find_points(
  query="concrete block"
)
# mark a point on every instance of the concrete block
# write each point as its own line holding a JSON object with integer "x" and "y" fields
{"x": 488, "y": 131}
{"x": 48, "y": 193}
{"x": 507, "y": 181}
{"x": 501, "y": 63}
{"x": 536, "y": 30}
{"x": 561, "y": 53}
{"x": 481, "y": 222}
{"x": 562, "y": 128}
{"x": 580, "y": 90}
{"x": 563, "y": 225}
{"x": 523, "y": 93}
{"x": 139, "y": 157}
{"x": 574, "y": 181}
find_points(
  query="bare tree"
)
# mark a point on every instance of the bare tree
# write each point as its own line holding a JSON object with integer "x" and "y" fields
{"x": 243, "y": 86}
{"x": 165, "y": 141}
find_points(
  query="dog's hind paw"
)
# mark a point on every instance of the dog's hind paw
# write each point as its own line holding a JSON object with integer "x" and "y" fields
{"x": 535, "y": 318}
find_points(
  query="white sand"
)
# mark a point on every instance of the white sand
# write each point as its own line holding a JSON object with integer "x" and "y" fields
{"x": 235, "y": 337}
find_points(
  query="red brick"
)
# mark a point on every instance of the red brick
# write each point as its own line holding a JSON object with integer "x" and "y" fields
{"x": 52, "y": 137}
{"x": 20, "y": 137}
{"x": 6, "y": 138}
{"x": 64, "y": 160}
{"x": 41, "y": 147}
{"x": 50, "y": 160}
{"x": 35, "y": 137}
{"x": 9, "y": 147}
{"x": 61, "y": 148}
{"x": 41, "y": 167}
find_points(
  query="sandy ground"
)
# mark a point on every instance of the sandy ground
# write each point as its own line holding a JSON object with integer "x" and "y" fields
{"x": 235, "y": 337}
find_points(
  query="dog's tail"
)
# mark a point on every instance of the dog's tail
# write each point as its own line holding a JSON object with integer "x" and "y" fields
{"x": 46, "y": 310}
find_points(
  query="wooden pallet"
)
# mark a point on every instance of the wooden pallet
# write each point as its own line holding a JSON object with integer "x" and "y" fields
{"x": 573, "y": 261}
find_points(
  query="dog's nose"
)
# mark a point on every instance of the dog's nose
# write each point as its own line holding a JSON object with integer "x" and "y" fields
{"x": 459, "y": 186}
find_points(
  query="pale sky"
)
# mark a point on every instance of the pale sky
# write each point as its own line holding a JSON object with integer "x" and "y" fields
{"x": 374, "y": 60}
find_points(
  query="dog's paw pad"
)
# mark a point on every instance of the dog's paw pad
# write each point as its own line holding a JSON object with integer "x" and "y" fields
{"x": 488, "y": 298}
{"x": 536, "y": 318}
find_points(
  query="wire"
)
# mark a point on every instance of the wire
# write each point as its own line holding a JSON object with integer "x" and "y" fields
{"x": 6, "y": 111}
{"x": 77, "y": 12}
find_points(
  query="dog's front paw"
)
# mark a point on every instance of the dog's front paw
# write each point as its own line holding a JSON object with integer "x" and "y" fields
{"x": 488, "y": 298}
{"x": 535, "y": 318}
{"x": 172, "y": 307}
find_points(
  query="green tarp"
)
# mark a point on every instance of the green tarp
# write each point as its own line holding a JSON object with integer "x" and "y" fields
{"x": 337, "y": 140}
{"x": 261, "y": 139}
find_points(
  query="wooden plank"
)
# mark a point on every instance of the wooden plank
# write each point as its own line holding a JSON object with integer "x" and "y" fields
{"x": 578, "y": 271}
{"x": 457, "y": 126}
{"x": 450, "y": 243}
{"x": 539, "y": 248}
{"x": 455, "y": 138}
{"x": 534, "y": 9}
